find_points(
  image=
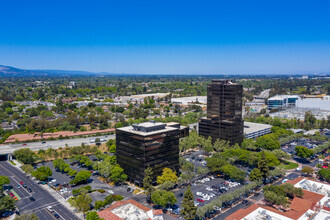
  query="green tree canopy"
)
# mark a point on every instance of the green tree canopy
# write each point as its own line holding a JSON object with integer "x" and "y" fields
{"x": 81, "y": 176}
{"x": 168, "y": 176}
{"x": 163, "y": 198}
{"x": 25, "y": 155}
{"x": 255, "y": 175}
{"x": 268, "y": 142}
{"x": 189, "y": 209}
{"x": 93, "y": 216}
{"x": 147, "y": 181}
{"x": 117, "y": 174}
{"x": 7, "y": 204}
{"x": 42, "y": 173}
{"x": 303, "y": 152}
{"x": 3, "y": 181}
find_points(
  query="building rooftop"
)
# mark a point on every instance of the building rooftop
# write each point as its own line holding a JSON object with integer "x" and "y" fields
{"x": 281, "y": 97}
{"x": 250, "y": 127}
{"x": 313, "y": 202}
{"x": 148, "y": 128}
{"x": 129, "y": 210}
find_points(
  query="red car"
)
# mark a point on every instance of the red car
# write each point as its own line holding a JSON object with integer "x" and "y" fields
{"x": 200, "y": 200}
{"x": 21, "y": 182}
{"x": 24, "y": 144}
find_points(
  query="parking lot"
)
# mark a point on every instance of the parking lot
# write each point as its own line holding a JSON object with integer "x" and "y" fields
{"x": 207, "y": 189}
{"x": 290, "y": 146}
{"x": 196, "y": 158}
{"x": 59, "y": 178}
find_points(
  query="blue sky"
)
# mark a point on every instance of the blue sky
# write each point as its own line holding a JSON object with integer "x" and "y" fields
{"x": 164, "y": 36}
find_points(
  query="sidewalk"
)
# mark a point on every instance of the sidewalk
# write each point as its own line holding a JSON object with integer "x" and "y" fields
{"x": 63, "y": 201}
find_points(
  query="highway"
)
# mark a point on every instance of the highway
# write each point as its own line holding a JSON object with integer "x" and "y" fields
{"x": 41, "y": 196}
{"x": 10, "y": 148}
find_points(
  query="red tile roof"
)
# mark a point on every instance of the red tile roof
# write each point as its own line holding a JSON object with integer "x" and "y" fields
{"x": 158, "y": 212}
{"x": 297, "y": 208}
{"x": 37, "y": 136}
{"x": 108, "y": 215}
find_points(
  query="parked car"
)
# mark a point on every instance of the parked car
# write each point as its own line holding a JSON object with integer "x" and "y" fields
{"x": 24, "y": 185}
{"x": 32, "y": 199}
{"x": 180, "y": 194}
{"x": 56, "y": 215}
{"x": 29, "y": 189}
{"x": 200, "y": 200}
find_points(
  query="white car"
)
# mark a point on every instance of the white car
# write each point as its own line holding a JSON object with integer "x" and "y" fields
{"x": 111, "y": 192}
{"x": 50, "y": 208}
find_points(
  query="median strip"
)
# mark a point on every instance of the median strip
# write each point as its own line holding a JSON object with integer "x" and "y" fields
{"x": 15, "y": 194}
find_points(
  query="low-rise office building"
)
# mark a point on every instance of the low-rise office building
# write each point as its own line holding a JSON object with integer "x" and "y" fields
{"x": 148, "y": 144}
{"x": 282, "y": 101}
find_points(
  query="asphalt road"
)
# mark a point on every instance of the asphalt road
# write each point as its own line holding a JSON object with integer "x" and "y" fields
{"x": 41, "y": 196}
{"x": 10, "y": 148}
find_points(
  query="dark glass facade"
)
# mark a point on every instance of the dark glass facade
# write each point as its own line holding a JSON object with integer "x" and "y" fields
{"x": 224, "y": 112}
{"x": 137, "y": 151}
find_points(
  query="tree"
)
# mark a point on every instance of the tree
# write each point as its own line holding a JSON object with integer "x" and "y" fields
{"x": 207, "y": 145}
{"x": 307, "y": 170}
{"x": 42, "y": 173}
{"x": 7, "y": 204}
{"x": 303, "y": 152}
{"x": 163, "y": 198}
{"x": 255, "y": 175}
{"x": 147, "y": 181}
{"x": 82, "y": 202}
{"x": 27, "y": 168}
{"x": 117, "y": 174}
{"x": 112, "y": 148}
{"x": 233, "y": 172}
{"x": 57, "y": 163}
{"x": 324, "y": 174}
{"x": 168, "y": 175}
{"x": 263, "y": 165}
{"x": 32, "y": 216}
{"x": 215, "y": 163}
{"x": 188, "y": 210}
{"x": 248, "y": 144}
{"x": 3, "y": 181}
{"x": 81, "y": 176}
{"x": 72, "y": 172}
{"x": 93, "y": 215}
{"x": 268, "y": 142}
{"x": 277, "y": 195}
{"x": 25, "y": 155}
{"x": 271, "y": 159}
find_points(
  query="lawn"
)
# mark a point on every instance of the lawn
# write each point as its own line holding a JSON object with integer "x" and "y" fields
{"x": 287, "y": 165}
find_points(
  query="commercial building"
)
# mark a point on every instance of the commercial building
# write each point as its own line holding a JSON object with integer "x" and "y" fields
{"x": 282, "y": 101}
{"x": 255, "y": 130}
{"x": 130, "y": 209}
{"x": 224, "y": 112}
{"x": 314, "y": 204}
{"x": 184, "y": 130}
{"x": 148, "y": 144}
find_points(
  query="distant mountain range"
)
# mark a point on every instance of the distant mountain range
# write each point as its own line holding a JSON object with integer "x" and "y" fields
{"x": 7, "y": 71}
